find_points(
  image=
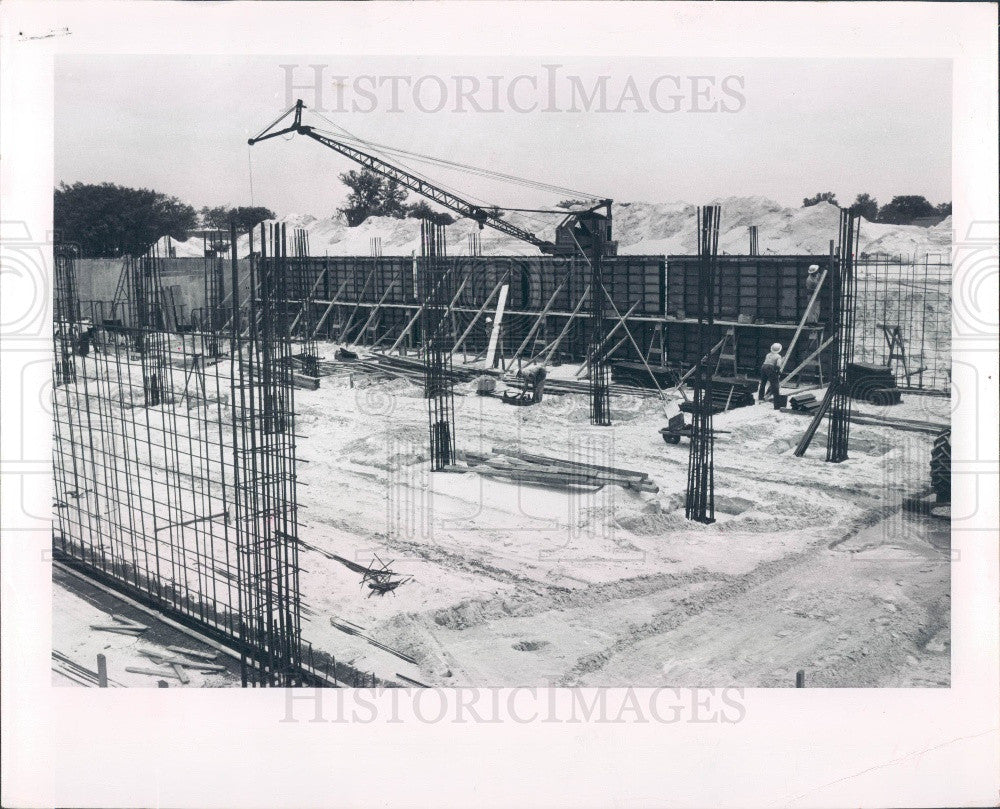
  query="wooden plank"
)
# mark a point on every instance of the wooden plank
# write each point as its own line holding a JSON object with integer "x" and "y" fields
{"x": 396, "y": 276}
{"x": 538, "y": 321}
{"x": 491, "y": 350}
{"x": 151, "y": 672}
{"x": 329, "y": 309}
{"x": 161, "y": 659}
{"x": 194, "y": 653}
{"x": 461, "y": 340}
{"x": 181, "y": 674}
{"x": 546, "y": 353}
{"x": 586, "y": 363}
{"x": 119, "y": 628}
{"x": 307, "y": 301}
{"x": 802, "y": 323}
{"x": 807, "y": 360}
{"x": 128, "y": 621}
{"x": 534, "y": 457}
{"x": 807, "y": 437}
{"x": 411, "y": 681}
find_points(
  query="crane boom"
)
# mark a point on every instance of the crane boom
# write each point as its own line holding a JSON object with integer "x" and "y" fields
{"x": 479, "y": 214}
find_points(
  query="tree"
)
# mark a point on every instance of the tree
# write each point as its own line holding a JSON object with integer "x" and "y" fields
{"x": 421, "y": 210}
{"x": 244, "y": 217}
{"x": 213, "y": 217}
{"x": 867, "y": 206}
{"x": 371, "y": 195}
{"x": 823, "y": 196}
{"x": 903, "y": 210}
{"x": 107, "y": 220}
{"x": 944, "y": 209}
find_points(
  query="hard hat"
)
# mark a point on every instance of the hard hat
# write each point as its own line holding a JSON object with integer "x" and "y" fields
{"x": 776, "y": 348}
{"x": 814, "y": 268}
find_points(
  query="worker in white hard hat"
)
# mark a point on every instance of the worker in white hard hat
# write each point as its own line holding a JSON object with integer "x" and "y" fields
{"x": 769, "y": 371}
{"x": 812, "y": 281}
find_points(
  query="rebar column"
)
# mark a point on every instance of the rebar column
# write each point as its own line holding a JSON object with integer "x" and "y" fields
{"x": 65, "y": 316}
{"x": 265, "y": 476}
{"x": 308, "y": 353}
{"x": 699, "y": 504}
{"x": 844, "y": 293}
{"x": 435, "y": 289}
{"x": 600, "y": 373}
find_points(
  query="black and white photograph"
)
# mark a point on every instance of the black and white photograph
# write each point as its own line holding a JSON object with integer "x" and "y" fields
{"x": 625, "y": 380}
{"x": 462, "y": 424}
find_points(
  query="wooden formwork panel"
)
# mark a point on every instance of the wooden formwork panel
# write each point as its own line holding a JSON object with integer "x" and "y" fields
{"x": 532, "y": 280}
{"x": 767, "y": 289}
{"x": 636, "y": 278}
{"x": 683, "y": 345}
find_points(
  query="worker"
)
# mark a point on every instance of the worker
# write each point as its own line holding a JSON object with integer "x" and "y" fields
{"x": 84, "y": 340}
{"x": 769, "y": 371}
{"x": 534, "y": 379}
{"x": 812, "y": 281}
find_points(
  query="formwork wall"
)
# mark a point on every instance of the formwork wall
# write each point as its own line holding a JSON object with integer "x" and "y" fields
{"x": 761, "y": 297}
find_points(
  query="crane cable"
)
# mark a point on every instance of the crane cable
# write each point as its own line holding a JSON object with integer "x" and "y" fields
{"x": 381, "y": 151}
{"x": 477, "y": 170}
{"x": 461, "y": 167}
{"x": 250, "y": 169}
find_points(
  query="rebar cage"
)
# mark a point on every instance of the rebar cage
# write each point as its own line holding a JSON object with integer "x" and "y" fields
{"x": 174, "y": 464}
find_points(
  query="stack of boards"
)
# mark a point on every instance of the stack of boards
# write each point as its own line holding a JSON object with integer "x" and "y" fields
{"x": 542, "y": 470}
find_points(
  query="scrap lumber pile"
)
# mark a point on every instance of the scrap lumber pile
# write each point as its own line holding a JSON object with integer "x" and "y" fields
{"x": 412, "y": 369}
{"x": 636, "y": 374}
{"x": 543, "y": 470}
{"x": 804, "y": 402}
{"x": 177, "y": 663}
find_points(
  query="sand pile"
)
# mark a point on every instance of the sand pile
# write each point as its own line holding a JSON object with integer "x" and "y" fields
{"x": 642, "y": 228}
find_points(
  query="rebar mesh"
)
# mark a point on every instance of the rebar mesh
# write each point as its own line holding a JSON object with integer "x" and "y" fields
{"x": 174, "y": 469}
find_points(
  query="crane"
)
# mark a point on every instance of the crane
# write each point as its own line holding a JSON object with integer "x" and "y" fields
{"x": 575, "y": 232}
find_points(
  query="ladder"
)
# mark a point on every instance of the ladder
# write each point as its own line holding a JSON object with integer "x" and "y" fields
{"x": 654, "y": 356}
{"x": 897, "y": 349}
{"x": 727, "y": 352}
{"x": 813, "y": 353}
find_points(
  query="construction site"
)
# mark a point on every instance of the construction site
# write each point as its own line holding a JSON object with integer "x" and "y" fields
{"x": 530, "y": 448}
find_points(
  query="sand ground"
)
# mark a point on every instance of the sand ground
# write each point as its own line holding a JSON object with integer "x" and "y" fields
{"x": 809, "y": 565}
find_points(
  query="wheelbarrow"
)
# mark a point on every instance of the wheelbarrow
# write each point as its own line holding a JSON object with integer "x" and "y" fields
{"x": 677, "y": 429}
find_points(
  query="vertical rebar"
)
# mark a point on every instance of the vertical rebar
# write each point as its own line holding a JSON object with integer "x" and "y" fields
{"x": 700, "y": 499}
{"x": 434, "y": 279}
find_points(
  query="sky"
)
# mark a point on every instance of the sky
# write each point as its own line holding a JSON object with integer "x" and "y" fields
{"x": 655, "y": 129}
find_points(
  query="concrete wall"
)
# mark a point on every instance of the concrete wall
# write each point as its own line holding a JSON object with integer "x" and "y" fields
{"x": 97, "y": 280}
